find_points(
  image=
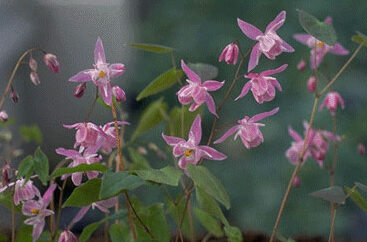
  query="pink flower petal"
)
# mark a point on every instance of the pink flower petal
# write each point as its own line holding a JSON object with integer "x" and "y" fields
{"x": 47, "y": 196}
{"x": 277, "y": 22}
{"x": 276, "y": 84}
{"x": 212, "y": 154}
{"x": 171, "y": 140}
{"x": 245, "y": 90}
{"x": 106, "y": 93}
{"x": 274, "y": 71}
{"x": 261, "y": 116}
{"x": 99, "y": 55}
{"x": 211, "y": 85}
{"x": 248, "y": 29}
{"x": 37, "y": 230}
{"x": 211, "y": 104}
{"x": 227, "y": 134}
{"x": 80, "y": 214}
{"x": 67, "y": 152}
{"x": 189, "y": 73}
{"x": 294, "y": 134}
{"x": 338, "y": 49}
{"x": 82, "y": 76}
{"x": 77, "y": 178}
{"x": 117, "y": 69}
{"x": 303, "y": 38}
{"x": 286, "y": 47}
{"x": 254, "y": 57}
{"x": 195, "y": 131}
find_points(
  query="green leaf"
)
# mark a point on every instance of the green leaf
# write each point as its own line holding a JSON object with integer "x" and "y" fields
{"x": 89, "y": 230}
{"x": 320, "y": 30}
{"x": 283, "y": 239}
{"x": 3, "y": 238}
{"x": 113, "y": 183}
{"x": 31, "y": 133}
{"x": 7, "y": 199}
{"x": 85, "y": 194}
{"x": 162, "y": 82}
{"x": 103, "y": 104}
{"x": 24, "y": 234}
{"x": 361, "y": 186}
{"x": 172, "y": 127}
{"x": 210, "y": 223}
{"x": 151, "y": 117}
{"x": 209, "y": 205}
{"x": 360, "y": 38}
{"x": 233, "y": 234}
{"x": 138, "y": 161}
{"x": 167, "y": 175}
{"x": 357, "y": 198}
{"x": 333, "y": 194}
{"x": 41, "y": 166}
{"x": 120, "y": 232}
{"x": 152, "y": 47}
{"x": 204, "y": 179}
{"x": 25, "y": 168}
{"x": 176, "y": 211}
{"x": 79, "y": 168}
{"x": 204, "y": 71}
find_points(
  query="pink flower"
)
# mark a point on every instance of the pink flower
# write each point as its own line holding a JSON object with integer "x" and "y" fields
{"x": 301, "y": 66}
{"x": 297, "y": 182}
{"x": 269, "y": 43}
{"x": 51, "y": 62}
{"x": 196, "y": 92}
{"x": 3, "y": 116}
{"x": 311, "y": 84}
{"x": 24, "y": 192}
{"x": 86, "y": 136}
{"x": 248, "y": 130}
{"x": 320, "y": 49}
{"x": 79, "y": 90}
{"x": 230, "y": 54}
{"x": 78, "y": 159}
{"x": 34, "y": 78}
{"x": 331, "y": 101}
{"x": 6, "y": 174}
{"x": 67, "y": 236}
{"x": 361, "y": 149}
{"x": 190, "y": 152}
{"x": 119, "y": 94}
{"x": 101, "y": 74}
{"x": 38, "y": 210}
{"x": 262, "y": 85}
{"x": 33, "y": 64}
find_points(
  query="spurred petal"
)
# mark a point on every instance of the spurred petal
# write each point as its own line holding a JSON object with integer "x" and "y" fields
{"x": 82, "y": 76}
{"x": 248, "y": 29}
{"x": 226, "y": 134}
{"x": 47, "y": 196}
{"x": 211, "y": 104}
{"x": 277, "y": 22}
{"x": 195, "y": 130}
{"x": 116, "y": 69}
{"x": 338, "y": 49}
{"x": 211, "y": 85}
{"x": 261, "y": 116}
{"x": 294, "y": 134}
{"x": 245, "y": 90}
{"x": 254, "y": 57}
{"x": 67, "y": 152}
{"x": 106, "y": 93}
{"x": 212, "y": 154}
{"x": 189, "y": 73}
{"x": 171, "y": 140}
{"x": 37, "y": 230}
{"x": 99, "y": 56}
{"x": 303, "y": 38}
{"x": 274, "y": 71}
{"x": 286, "y": 47}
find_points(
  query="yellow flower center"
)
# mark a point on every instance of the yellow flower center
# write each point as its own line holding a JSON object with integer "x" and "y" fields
{"x": 320, "y": 44}
{"x": 35, "y": 211}
{"x": 188, "y": 152}
{"x": 101, "y": 74}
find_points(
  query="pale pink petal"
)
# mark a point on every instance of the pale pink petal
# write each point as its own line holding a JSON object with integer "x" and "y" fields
{"x": 82, "y": 76}
{"x": 294, "y": 134}
{"x": 277, "y": 22}
{"x": 189, "y": 73}
{"x": 248, "y": 29}
{"x": 194, "y": 106}
{"x": 67, "y": 152}
{"x": 116, "y": 69}
{"x": 227, "y": 134}
{"x": 108, "y": 203}
{"x": 37, "y": 230}
{"x": 276, "y": 84}
{"x": 47, "y": 196}
{"x": 261, "y": 116}
{"x": 99, "y": 55}
{"x": 245, "y": 90}
{"x": 199, "y": 95}
{"x": 274, "y": 71}
{"x": 211, "y": 85}
{"x": 80, "y": 214}
{"x": 29, "y": 205}
{"x": 92, "y": 174}
{"x": 212, "y": 154}
{"x": 303, "y": 38}
{"x": 195, "y": 130}
{"x": 338, "y": 49}
{"x": 77, "y": 178}
{"x": 32, "y": 220}
{"x": 254, "y": 57}
{"x": 286, "y": 47}
{"x": 211, "y": 104}
{"x": 171, "y": 140}
{"x": 72, "y": 126}
{"x": 106, "y": 93}
{"x": 326, "y": 100}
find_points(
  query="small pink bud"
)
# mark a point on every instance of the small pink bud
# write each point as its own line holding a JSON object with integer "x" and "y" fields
{"x": 311, "y": 84}
{"x": 119, "y": 94}
{"x": 297, "y": 182}
{"x": 52, "y": 62}
{"x": 33, "y": 64}
{"x": 34, "y": 78}
{"x": 67, "y": 236}
{"x": 14, "y": 96}
{"x": 361, "y": 149}
{"x": 3, "y": 116}
{"x": 331, "y": 101}
{"x": 230, "y": 54}
{"x": 301, "y": 65}
{"x": 79, "y": 90}
{"x": 6, "y": 174}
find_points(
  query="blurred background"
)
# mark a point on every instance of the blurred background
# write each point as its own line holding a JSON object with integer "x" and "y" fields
{"x": 198, "y": 30}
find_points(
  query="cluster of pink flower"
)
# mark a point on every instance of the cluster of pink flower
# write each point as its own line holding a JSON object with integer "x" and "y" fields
{"x": 262, "y": 86}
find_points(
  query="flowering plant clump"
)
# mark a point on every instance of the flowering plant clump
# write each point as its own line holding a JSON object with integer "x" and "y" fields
{"x": 106, "y": 165}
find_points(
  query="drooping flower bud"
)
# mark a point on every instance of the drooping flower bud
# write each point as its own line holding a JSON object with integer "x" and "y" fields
{"x": 311, "y": 84}
{"x": 230, "y": 54}
{"x": 14, "y": 96}
{"x": 52, "y": 63}
{"x": 34, "y": 78}
{"x": 79, "y": 90}
{"x": 301, "y": 65}
{"x": 331, "y": 101}
{"x": 119, "y": 94}
{"x": 361, "y": 149}
{"x": 33, "y": 64}
{"x": 67, "y": 236}
{"x": 3, "y": 116}
{"x": 296, "y": 182}
{"x": 24, "y": 192}
{"x": 6, "y": 174}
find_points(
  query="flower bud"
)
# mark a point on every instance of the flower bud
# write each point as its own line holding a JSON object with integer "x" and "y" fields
{"x": 33, "y": 64}
{"x": 14, "y": 95}
{"x": 296, "y": 182}
{"x": 119, "y": 94}
{"x": 311, "y": 84}
{"x": 301, "y": 65}
{"x": 6, "y": 174}
{"x": 3, "y": 116}
{"x": 67, "y": 236}
{"x": 52, "y": 63}
{"x": 79, "y": 90}
{"x": 230, "y": 54}
{"x": 361, "y": 149}
{"x": 34, "y": 78}
{"x": 332, "y": 101}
